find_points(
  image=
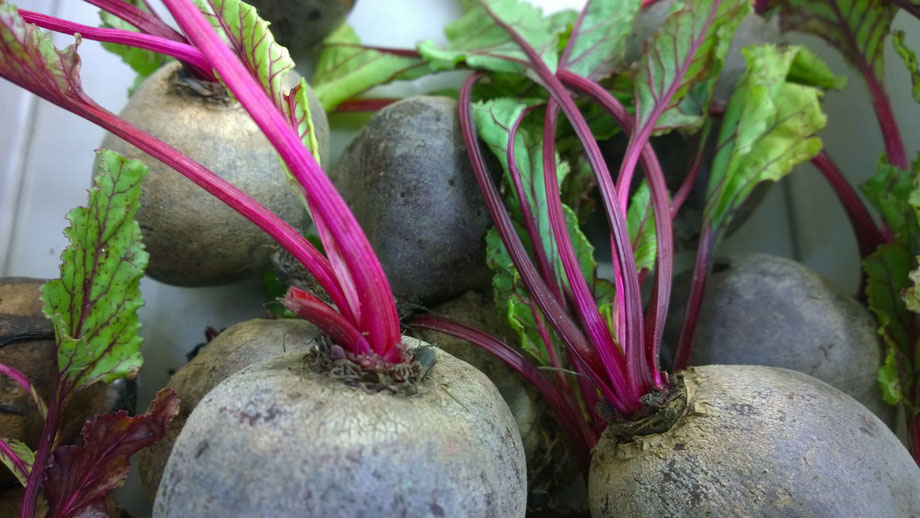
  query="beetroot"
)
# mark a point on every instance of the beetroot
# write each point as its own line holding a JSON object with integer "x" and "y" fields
{"x": 192, "y": 238}
{"x": 757, "y": 441}
{"x": 766, "y": 310}
{"x": 239, "y": 346}
{"x": 452, "y": 449}
{"x": 409, "y": 182}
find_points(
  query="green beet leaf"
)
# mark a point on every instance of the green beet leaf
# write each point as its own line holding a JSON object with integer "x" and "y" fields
{"x": 857, "y": 28}
{"x": 598, "y": 39}
{"x": 267, "y": 60}
{"x": 93, "y": 305}
{"x": 513, "y": 300}
{"x": 494, "y": 119}
{"x": 770, "y": 125}
{"x": 892, "y": 276}
{"x": 640, "y": 221}
{"x": 910, "y": 61}
{"x": 143, "y": 62}
{"x": 345, "y": 68}
{"x": 808, "y": 69}
{"x": 887, "y": 277}
{"x": 18, "y": 457}
{"x": 890, "y": 190}
{"x": 681, "y": 63}
{"x": 475, "y": 39}
{"x": 889, "y": 380}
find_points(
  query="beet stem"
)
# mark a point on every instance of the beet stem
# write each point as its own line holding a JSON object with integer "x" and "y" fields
{"x": 357, "y": 268}
{"x": 187, "y": 54}
{"x": 701, "y": 270}
{"x": 867, "y": 232}
{"x": 571, "y": 335}
{"x": 148, "y": 23}
{"x": 661, "y": 293}
{"x": 585, "y": 306}
{"x": 530, "y": 221}
{"x": 638, "y": 373}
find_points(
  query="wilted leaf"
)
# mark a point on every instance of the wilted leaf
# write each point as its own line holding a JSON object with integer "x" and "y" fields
{"x": 30, "y": 60}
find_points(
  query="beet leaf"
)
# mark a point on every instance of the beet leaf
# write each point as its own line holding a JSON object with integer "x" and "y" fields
{"x": 857, "y": 28}
{"x": 681, "y": 62}
{"x": 80, "y": 477}
{"x": 475, "y": 39}
{"x": 599, "y": 38}
{"x": 770, "y": 125}
{"x": 345, "y": 68}
{"x": 910, "y": 61}
{"x": 495, "y": 119}
{"x": 93, "y": 305}
{"x": 890, "y": 285}
{"x": 888, "y": 275}
{"x": 514, "y": 302}
{"x": 640, "y": 220}
{"x": 266, "y": 60}
{"x": 18, "y": 457}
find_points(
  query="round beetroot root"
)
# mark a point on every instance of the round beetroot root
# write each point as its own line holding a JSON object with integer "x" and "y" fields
{"x": 765, "y": 310}
{"x": 193, "y": 238}
{"x": 757, "y": 441}
{"x": 289, "y": 437}
{"x": 236, "y": 348}
{"x": 408, "y": 180}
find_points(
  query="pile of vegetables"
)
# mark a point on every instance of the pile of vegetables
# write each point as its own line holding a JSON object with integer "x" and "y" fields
{"x": 398, "y": 426}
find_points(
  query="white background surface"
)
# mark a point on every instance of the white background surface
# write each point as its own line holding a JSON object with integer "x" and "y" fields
{"x": 46, "y": 158}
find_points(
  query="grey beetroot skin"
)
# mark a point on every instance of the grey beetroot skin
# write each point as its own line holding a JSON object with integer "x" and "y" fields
{"x": 234, "y": 349}
{"x": 280, "y": 439}
{"x": 765, "y": 310}
{"x": 408, "y": 180}
{"x": 193, "y": 238}
{"x": 555, "y": 483}
{"x": 758, "y": 441}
